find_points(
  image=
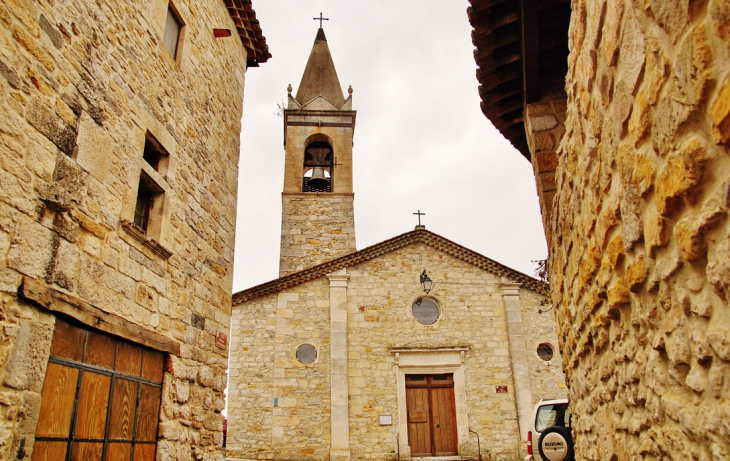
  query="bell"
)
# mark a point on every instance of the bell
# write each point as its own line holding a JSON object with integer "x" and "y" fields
{"x": 318, "y": 180}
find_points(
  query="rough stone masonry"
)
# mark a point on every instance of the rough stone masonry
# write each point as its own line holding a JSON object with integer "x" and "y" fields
{"x": 636, "y": 216}
{"x": 85, "y": 86}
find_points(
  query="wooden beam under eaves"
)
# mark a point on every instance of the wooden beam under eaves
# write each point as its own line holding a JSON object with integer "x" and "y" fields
{"x": 529, "y": 15}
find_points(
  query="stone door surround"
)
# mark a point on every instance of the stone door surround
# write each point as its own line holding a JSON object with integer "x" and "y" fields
{"x": 446, "y": 360}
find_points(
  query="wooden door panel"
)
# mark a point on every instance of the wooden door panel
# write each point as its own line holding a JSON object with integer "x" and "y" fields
{"x": 144, "y": 452}
{"x": 129, "y": 359}
{"x": 118, "y": 451}
{"x": 152, "y": 365}
{"x": 123, "y": 405}
{"x": 100, "y": 350}
{"x": 85, "y": 451}
{"x": 419, "y": 436}
{"x": 57, "y": 401}
{"x": 149, "y": 405}
{"x": 431, "y": 415}
{"x": 68, "y": 341}
{"x": 444, "y": 428}
{"x": 48, "y": 451}
{"x": 93, "y": 401}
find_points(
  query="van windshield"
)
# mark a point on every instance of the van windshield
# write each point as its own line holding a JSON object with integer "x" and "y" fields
{"x": 552, "y": 415}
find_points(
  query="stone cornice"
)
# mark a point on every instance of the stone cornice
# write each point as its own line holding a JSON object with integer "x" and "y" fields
{"x": 417, "y": 236}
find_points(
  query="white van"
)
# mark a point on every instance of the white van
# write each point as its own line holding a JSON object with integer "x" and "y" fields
{"x": 550, "y": 437}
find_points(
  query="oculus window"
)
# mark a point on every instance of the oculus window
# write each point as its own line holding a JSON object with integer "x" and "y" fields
{"x": 545, "y": 352}
{"x": 306, "y": 354}
{"x": 425, "y": 311}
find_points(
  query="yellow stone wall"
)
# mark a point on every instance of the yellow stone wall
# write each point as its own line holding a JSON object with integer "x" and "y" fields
{"x": 380, "y": 292}
{"x": 279, "y": 408}
{"x": 81, "y": 82}
{"x": 315, "y": 228}
{"x": 640, "y": 236}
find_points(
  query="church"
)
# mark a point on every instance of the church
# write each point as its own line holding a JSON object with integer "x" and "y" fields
{"x": 415, "y": 347}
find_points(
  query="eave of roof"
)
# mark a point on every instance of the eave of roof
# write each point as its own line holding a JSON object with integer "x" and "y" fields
{"x": 416, "y": 236}
{"x": 520, "y": 44}
{"x": 244, "y": 17}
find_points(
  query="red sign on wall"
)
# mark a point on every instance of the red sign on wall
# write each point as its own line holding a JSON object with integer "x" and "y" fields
{"x": 500, "y": 389}
{"x": 221, "y": 340}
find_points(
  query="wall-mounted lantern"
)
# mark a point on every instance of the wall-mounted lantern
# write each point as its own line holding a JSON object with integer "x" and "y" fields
{"x": 426, "y": 282}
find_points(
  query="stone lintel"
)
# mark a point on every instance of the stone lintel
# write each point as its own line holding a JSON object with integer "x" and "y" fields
{"x": 61, "y": 302}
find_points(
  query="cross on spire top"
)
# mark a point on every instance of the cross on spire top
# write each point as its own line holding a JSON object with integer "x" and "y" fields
{"x": 320, "y": 19}
{"x": 419, "y": 216}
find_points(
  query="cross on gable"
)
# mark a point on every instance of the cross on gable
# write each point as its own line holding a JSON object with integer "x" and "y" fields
{"x": 320, "y": 19}
{"x": 419, "y": 216}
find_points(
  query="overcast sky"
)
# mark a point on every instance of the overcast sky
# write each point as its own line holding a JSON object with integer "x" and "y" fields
{"x": 421, "y": 140}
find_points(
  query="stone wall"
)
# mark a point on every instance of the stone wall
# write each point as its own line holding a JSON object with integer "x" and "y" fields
{"x": 547, "y": 380}
{"x": 266, "y": 332}
{"x": 81, "y": 84}
{"x": 279, "y": 408}
{"x": 640, "y": 246}
{"x": 380, "y": 295}
{"x": 315, "y": 228}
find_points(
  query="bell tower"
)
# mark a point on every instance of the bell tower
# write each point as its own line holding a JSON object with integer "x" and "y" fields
{"x": 318, "y": 221}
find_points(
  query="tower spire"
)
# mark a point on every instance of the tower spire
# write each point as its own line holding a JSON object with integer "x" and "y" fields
{"x": 317, "y": 201}
{"x": 320, "y": 76}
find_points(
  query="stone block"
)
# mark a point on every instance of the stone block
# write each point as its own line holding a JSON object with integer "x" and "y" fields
{"x": 32, "y": 250}
{"x": 69, "y": 177}
{"x": 542, "y": 123}
{"x": 29, "y": 42}
{"x": 544, "y": 160}
{"x": 10, "y": 75}
{"x": 43, "y": 119}
{"x": 66, "y": 266}
{"x": 681, "y": 175}
{"x": 95, "y": 147}
{"x": 26, "y": 364}
{"x": 631, "y": 54}
{"x": 720, "y": 113}
{"x": 52, "y": 32}
{"x": 718, "y": 267}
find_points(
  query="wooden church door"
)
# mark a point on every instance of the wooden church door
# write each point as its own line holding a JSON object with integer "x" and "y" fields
{"x": 431, "y": 415}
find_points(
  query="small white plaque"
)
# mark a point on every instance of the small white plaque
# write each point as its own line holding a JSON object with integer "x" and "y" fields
{"x": 386, "y": 420}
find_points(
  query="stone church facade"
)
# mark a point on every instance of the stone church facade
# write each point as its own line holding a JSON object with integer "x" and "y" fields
{"x": 344, "y": 356}
{"x": 118, "y": 151}
{"x": 623, "y": 109}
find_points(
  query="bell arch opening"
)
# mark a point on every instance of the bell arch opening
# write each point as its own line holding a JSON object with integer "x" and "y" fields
{"x": 318, "y": 168}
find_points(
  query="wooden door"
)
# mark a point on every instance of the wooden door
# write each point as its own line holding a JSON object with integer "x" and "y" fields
{"x": 100, "y": 399}
{"x": 431, "y": 415}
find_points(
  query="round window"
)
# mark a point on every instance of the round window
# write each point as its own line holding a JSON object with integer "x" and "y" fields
{"x": 545, "y": 352}
{"x": 425, "y": 311}
{"x": 306, "y": 354}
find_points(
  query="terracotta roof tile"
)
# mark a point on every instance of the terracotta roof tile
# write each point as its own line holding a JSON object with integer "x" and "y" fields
{"x": 248, "y": 28}
{"x": 498, "y": 36}
{"x": 409, "y": 238}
